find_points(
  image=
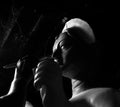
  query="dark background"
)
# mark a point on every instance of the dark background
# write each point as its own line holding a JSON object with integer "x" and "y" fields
{"x": 100, "y": 14}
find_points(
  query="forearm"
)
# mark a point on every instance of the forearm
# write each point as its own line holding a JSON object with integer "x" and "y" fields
{"x": 18, "y": 86}
{"x": 16, "y": 96}
{"x": 53, "y": 96}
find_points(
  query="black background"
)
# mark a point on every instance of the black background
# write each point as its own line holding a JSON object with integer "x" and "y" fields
{"x": 101, "y": 15}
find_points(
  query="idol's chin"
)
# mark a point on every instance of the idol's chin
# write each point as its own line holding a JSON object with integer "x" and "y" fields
{"x": 70, "y": 71}
{"x": 66, "y": 71}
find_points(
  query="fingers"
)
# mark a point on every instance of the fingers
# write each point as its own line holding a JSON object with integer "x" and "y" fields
{"x": 46, "y": 72}
{"x": 20, "y": 64}
{"x": 24, "y": 68}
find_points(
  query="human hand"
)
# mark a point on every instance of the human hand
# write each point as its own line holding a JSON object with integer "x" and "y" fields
{"x": 24, "y": 68}
{"x": 47, "y": 72}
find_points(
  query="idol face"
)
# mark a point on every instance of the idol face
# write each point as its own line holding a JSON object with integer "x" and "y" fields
{"x": 68, "y": 53}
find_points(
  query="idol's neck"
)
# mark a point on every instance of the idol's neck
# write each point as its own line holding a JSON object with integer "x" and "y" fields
{"x": 79, "y": 86}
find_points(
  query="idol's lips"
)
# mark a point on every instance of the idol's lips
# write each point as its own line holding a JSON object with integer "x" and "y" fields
{"x": 63, "y": 66}
{"x": 58, "y": 61}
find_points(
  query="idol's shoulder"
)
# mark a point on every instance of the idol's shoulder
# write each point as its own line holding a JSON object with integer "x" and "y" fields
{"x": 97, "y": 97}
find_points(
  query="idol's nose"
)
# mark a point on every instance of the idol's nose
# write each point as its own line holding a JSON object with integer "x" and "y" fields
{"x": 57, "y": 55}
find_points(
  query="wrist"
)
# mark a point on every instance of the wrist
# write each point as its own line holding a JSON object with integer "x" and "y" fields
{"x": 18, "y": 86}
{"x": 53, "y": 82}
{"x": 53, "y": 96}
{"x": 21, "y": 79}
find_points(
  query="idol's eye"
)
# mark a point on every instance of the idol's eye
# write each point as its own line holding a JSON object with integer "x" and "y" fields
{"x": 64, "y": 44}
